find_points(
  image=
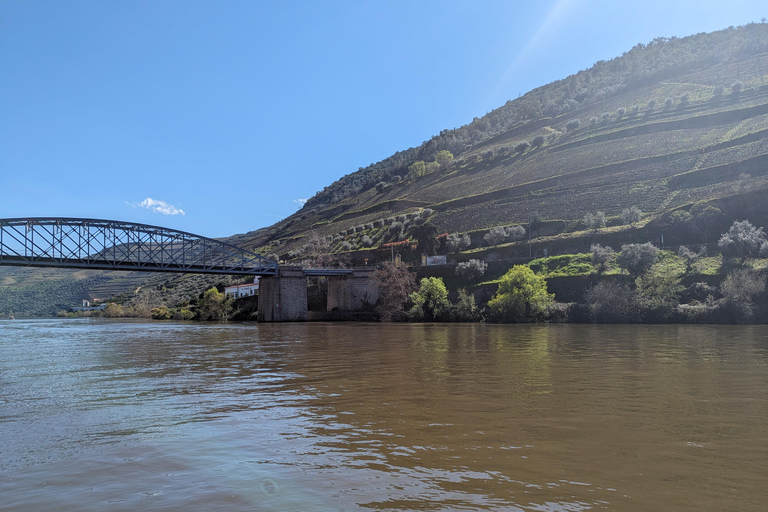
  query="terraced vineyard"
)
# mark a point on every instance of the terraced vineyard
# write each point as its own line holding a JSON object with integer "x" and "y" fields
{"x": 698, "y": 134}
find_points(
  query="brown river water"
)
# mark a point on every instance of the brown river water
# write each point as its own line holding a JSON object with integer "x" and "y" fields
{"x": 117, "y": 416}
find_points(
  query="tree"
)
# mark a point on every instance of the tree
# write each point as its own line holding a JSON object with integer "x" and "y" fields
{"x": 611, "y": 302}
{"x": 444, "y": 157}
{"x": 742, "y": 240}
{"x": 395, "y": 287}
{"x": 520, "y": 147}
{"x": 631, "y": 215}
{"x": 572, "y": 126}
{"x": 703, "y": 217}
{"x": 739, "y": 289}
{"x": 637, "y": 258}
{"x": 657, "y": 295}
{"x": 214, "y": 306}
{"x": 594, "y": 221}
{"x": 471, "y": 270}
{"x": 426, "y": 234}
{"x": 521, "y": 296}
{"x": 515, "y": 233}
{"x": 601, "y": 256}
{"x": 495, "y": 236}
{"x": 417, "y": 169}
{"x": 537, "y": 141}
{"x": 430, "y": 301}
{"x": 456, "y": 242}
{"x": 690, "y": 256}
{"x": 465, "y": 308}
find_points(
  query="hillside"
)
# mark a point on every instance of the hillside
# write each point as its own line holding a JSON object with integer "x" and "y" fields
{"x": 664, "y": 126}
{"x": 669, "y": 128}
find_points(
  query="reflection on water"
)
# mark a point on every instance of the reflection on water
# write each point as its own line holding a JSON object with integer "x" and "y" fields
{"x": 163, "y": 416}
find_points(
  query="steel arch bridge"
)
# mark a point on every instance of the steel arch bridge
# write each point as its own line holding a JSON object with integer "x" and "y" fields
{"x": 116, "y": 245}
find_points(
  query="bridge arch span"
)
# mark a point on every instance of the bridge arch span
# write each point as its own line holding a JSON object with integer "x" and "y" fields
{"x": 117, "y": 245}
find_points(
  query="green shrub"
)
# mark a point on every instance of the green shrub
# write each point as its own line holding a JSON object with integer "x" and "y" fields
{"x": 521, "y": 297}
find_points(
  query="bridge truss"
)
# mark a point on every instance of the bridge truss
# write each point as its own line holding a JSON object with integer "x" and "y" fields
{"x": 115, "y": 245}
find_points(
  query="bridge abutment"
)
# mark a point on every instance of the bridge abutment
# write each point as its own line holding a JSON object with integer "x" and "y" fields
{"x": 283, "y": 298}
{"x": 353, "y": 292}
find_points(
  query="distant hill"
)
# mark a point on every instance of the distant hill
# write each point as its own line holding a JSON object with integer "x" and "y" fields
{"x": 677, "y": 128}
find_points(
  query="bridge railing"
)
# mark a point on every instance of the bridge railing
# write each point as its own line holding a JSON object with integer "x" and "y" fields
{"x": 106, "y": 244}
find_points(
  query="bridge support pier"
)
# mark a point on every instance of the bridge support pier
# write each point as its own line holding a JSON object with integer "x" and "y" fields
{"x": 283, "y": 298}
{"x": 352, "y": 292}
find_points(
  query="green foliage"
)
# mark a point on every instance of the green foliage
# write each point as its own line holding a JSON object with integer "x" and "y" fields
{"x": 465, "y": 309}
{"x": 161, "y": 313}
{"x": 183, "y": 314}
{"x": 444, "y": 157}
{"x": 658, "y": 295}
{"x": 562, "y": 265}
{"x": 430, "y": 301}
{"x": 417, "y": 169}
{"x": 522, "y": 296}
{"x": 690, "y": 256}
{"x": 214, "y": 306}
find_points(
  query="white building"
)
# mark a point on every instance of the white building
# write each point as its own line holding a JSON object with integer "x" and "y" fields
{"x": 243, "y": 290}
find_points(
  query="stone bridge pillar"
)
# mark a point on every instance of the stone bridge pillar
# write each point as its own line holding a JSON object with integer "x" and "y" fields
{"x": 283, "y": 298}
{"x": 352, "y": 292}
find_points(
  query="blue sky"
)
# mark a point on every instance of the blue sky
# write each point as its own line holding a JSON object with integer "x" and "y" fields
{"x": 220, "y": 117}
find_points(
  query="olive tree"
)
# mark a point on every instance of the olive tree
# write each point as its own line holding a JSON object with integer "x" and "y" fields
{"x": 631, "y": 215}
{"x": 495, "y": 236}
{"x": 742, "y": 240}
{"x": 471, "y": 270}
{"x": 637, "y": 258}
{"x": 601, "y": 256}
{"x": 456, "y": 242}
{"x": 594, "y": 221}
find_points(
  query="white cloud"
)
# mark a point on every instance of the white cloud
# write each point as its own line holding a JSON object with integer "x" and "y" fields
{"x": 301, "y": 202}
{"x": 158, "y": 207}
